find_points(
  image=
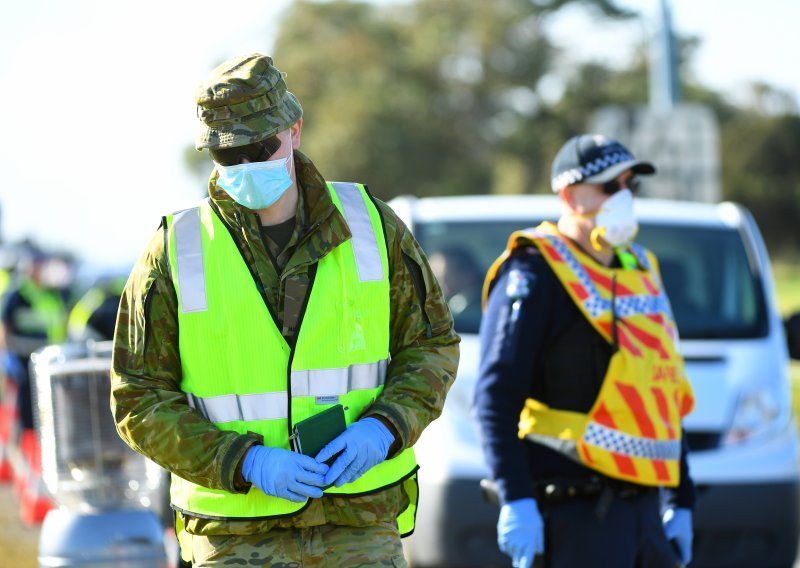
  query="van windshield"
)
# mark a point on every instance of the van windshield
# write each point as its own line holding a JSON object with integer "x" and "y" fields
{"x": 714, "y": 291}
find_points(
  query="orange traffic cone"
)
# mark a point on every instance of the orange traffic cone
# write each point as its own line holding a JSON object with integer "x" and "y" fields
{"x": 34, "y": 501}
{"x": 6, "y": 422}
{"x": 8, "y": 417}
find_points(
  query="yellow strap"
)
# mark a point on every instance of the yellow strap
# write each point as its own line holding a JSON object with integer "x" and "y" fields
{"x": 562, "y": 424}
{"x": 184, "y": 539}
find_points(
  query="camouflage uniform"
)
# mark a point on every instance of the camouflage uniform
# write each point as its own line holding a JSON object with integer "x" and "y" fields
{"x": 326, "y": 545}
{"x": 153, "y": 415}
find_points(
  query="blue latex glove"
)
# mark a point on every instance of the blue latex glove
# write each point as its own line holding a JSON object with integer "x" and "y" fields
{"x": 284, "y": 474}
{"x": 363, "y": 445}
{"x": 520, "y": 531}
{"x": 678, "y": 527}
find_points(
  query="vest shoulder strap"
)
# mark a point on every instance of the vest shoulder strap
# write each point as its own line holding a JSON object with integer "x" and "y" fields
{"x": 187, "y": 233}
{"x": 355, "y": 206}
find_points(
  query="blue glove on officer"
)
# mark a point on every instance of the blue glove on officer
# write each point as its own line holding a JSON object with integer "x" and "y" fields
{"x": 363, "y": 445}
{"x": 678, "y": 527}
{"x": 520, "y": 531}
{"x": 284, "y": 474}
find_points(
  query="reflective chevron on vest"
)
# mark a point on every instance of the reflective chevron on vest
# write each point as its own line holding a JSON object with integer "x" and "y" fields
{"x": 633, "y": 430}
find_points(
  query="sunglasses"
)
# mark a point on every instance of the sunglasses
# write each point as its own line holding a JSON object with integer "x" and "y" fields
{"x": 633, "y": 183}
{"x": 256, "y": 152}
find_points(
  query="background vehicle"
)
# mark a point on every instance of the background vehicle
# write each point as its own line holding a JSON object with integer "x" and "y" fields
{"x": 743, "y": 440}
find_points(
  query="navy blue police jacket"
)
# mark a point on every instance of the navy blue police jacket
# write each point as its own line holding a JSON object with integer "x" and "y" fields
{"x": 530, "y": 328}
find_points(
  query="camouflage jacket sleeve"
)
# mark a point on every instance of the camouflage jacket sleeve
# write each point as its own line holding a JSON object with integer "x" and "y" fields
{"x": 423, "y": 343}
{"x": 151, "y": 412}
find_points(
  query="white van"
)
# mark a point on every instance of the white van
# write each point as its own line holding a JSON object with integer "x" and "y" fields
{"x": 742, "y": 437}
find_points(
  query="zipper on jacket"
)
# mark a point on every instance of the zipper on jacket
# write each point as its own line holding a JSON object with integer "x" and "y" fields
{"x": 148, "y": 299}
{"x": 415, "y": 273}
{"x": 312, "y": 275}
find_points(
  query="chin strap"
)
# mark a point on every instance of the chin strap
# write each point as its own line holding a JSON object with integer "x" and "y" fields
{"x": 595, "y": 236}
{"x": 627, "y": 259}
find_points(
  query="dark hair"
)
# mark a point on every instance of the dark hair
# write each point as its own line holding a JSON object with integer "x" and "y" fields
{"x": 255, "y": 152}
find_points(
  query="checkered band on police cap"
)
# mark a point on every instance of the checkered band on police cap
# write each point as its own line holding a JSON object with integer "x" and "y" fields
{"x": 593, "y": 158}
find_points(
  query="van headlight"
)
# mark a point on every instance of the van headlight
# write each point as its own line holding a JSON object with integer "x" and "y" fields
{"x": 757, "y": 412}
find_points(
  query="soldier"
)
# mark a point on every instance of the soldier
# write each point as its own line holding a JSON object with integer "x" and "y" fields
{"x": 581, "y": 388}
{"x": 275, "y": 298}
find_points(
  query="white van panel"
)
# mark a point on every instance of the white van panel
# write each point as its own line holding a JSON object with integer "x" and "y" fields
{"x": 771, "y": 458}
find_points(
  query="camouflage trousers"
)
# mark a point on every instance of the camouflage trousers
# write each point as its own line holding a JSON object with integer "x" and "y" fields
{"x": 320, "y": 546}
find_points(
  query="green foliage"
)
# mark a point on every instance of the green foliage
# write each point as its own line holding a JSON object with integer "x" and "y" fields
{"x": 426, "y": 98}
{"x": 787, "y": 285}
{"x": 760, "y": 170}
{"x": 438, "y": 97}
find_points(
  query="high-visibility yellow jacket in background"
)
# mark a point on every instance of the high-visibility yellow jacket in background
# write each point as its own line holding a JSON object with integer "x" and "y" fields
{"x": 86, "y": 322}
{"x": 47, "y": 314}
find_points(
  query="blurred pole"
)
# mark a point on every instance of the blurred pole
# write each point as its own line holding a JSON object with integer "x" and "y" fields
{"x": 665, "y": 89}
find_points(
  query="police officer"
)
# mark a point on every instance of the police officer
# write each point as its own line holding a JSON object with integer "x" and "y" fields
{"x": 581, "y": 389}
{"x": 277, "y": 297}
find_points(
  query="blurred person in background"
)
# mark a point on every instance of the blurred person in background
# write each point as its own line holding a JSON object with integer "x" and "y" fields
{"x": 461, "y": 282}
{"x": 33, "y": 315}
{"x": 8, "y": 268}
{"x": 581, "y": 388}
{"x": 94, "y": 315}
{"x": 278, "y": 296}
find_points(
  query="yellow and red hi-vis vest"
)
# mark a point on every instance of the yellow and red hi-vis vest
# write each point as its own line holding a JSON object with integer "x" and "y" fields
{"x": 633, "y": 431}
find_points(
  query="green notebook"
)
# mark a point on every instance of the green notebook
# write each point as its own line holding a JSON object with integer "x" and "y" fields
{"x": 313, "y": 434}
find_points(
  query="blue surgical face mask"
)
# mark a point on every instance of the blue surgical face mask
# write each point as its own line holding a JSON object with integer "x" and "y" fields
{"x": 257, "y": 185}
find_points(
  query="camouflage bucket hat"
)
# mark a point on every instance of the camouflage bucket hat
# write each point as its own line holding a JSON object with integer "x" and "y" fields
{"x": 242, "y": 101}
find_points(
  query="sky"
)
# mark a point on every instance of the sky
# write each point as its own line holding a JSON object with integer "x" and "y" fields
{"x": 97, "y": 98}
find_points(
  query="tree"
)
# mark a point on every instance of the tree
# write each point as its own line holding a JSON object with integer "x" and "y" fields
{"x": 761, "y": 171}
{"x": 426, "y": 98}
{"x": 440, "y": 97}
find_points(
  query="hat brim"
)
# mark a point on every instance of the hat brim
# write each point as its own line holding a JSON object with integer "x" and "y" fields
{"x": 636, "y": 166}
{"x": 253, "y": 128}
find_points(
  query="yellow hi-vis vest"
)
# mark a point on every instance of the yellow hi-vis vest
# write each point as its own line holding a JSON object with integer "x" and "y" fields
{"x": 47, "y": 313}
{"x": 633, "y": 431}
{"x": 241, "y": 374}
{"x": 83, "y": 309}
{"x": 5, "y": 281}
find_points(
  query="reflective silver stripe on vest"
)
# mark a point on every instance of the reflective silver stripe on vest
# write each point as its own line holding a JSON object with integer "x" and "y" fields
{"x": 189, "y": 257}
{"x": 633, "y": 446}
{"x": 242, "y": 407}
{"x": 338, "y": 382}
{"x": 365, "y": 245}
{"x": 275, "y": 405}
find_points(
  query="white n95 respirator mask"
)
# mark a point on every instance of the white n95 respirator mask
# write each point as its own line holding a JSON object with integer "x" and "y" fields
{"x": 615, "y": 221}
